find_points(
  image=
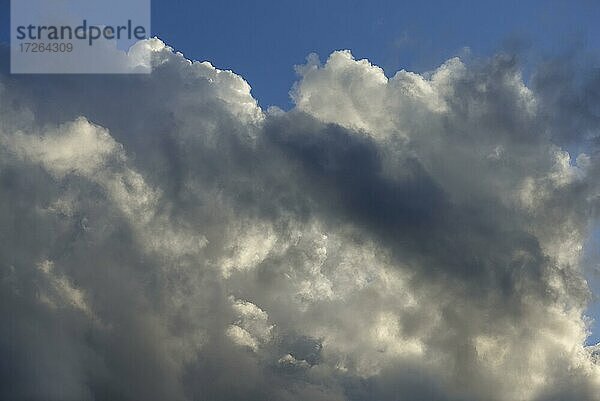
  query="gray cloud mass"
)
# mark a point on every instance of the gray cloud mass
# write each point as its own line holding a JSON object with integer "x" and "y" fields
{"x": 418, "y": 237}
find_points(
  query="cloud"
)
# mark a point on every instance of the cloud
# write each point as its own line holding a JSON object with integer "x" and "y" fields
{"x": 416, "y": 237}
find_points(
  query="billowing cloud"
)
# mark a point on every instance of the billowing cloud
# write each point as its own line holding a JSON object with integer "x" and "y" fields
{"x": 417, "y": 237}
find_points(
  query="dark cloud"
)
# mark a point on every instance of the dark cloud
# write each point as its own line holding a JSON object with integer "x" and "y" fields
{"x": 411, "y": 238}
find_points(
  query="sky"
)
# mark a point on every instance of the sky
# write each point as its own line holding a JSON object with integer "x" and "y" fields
{"x": 262, "y": 40}
{"x": 415, "y": 220}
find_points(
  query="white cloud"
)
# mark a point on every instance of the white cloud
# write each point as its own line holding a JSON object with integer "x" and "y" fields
{"x": 415, "y": 235}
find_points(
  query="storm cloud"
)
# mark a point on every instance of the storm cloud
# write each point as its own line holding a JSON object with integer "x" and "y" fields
{"x": 419, "y": 237}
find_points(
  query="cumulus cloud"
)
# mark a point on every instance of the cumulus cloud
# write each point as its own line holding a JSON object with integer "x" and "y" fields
{"x": 417, "y": 237}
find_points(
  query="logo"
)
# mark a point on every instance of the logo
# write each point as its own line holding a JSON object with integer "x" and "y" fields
{"x": 78, "y": 36}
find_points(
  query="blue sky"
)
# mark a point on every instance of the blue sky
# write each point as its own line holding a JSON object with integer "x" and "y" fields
{"x": 262, "y": 41}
